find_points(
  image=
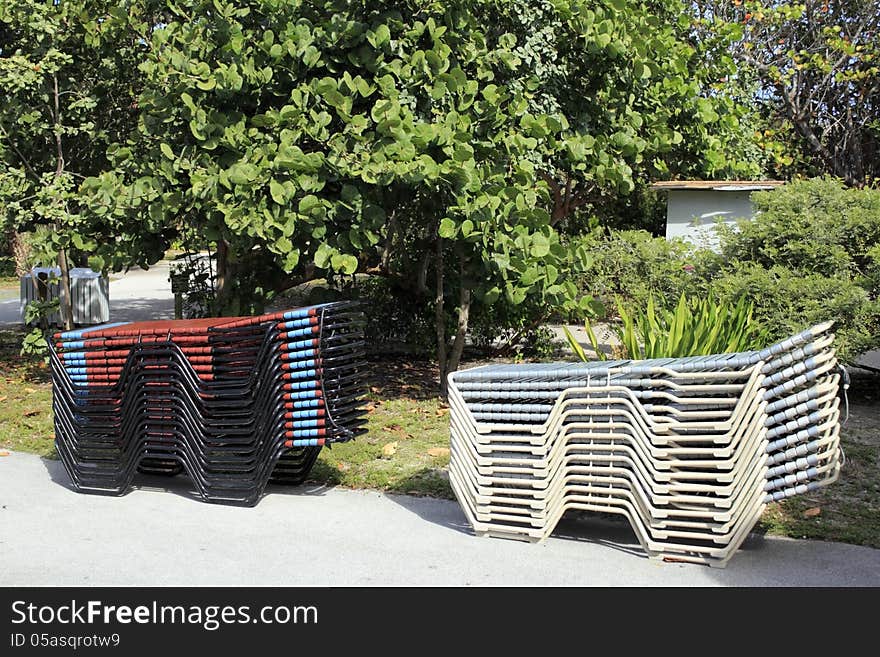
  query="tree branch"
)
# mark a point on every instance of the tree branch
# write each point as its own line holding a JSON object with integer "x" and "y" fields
{"x": 439, "y": 314}
{"x": 27, "y": 165}
{"x": 59, "y": 169}
{"x": 385, "y": 259}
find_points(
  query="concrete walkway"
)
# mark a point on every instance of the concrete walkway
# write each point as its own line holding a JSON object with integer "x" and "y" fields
{"x": 135, "y": 296}
{"x": 50, "y": 535}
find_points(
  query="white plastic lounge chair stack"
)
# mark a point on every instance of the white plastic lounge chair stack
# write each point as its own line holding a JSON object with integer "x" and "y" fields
{"x": 688, "y": 449}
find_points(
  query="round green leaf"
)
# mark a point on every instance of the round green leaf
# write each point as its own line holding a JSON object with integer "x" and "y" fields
{"x": 540, "y": 245}
{"x": 447, "y": 228}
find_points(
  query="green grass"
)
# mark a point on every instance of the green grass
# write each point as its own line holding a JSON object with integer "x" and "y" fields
{"x": 849, "y": 509}
{"x": 405, "y": 451}
{"x": 25, "y": 400}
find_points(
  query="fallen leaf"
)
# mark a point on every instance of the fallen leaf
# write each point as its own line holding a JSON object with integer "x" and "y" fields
{"x": 438, "y": 451}
{"x": 392, "y": 427}
{"x": 4, "y": 398}
{"x": 441, "y": 412}
{"x": 29, "y": 390}
{"x": 342, "y": 467}
{"x": 388, "y": 449}
{"x": 31, "y": 413}
{"x": 812, "y": 513}
{"x": 4, "y": 453}
{"x": 369, "y": 408}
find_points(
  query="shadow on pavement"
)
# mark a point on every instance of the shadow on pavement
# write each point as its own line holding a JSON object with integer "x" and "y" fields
{"x": 439, "y": 512}
{"x": 611, "y": 532}
{"x": 180, "y": 485}
{"x": 137, "y": 310}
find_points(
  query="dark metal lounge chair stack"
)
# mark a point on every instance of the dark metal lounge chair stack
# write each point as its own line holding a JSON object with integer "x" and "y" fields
{"x": 234, "y": 402}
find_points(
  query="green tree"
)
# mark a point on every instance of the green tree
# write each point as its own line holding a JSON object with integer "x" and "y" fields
{"x": 442, "y": 144}
{"x": 817, "y": 76}
{"x": 68, "y": 71}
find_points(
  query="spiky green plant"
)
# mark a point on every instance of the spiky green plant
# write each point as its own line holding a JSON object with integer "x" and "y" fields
{"x": 695, "y": 327}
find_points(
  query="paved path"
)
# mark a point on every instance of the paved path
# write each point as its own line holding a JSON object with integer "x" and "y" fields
{"x": 142, "y": 295}
{"x": 50, "y": 535}
{"x": 135, "y": 296}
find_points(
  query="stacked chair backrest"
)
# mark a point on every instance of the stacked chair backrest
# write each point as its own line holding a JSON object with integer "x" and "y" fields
{"x": 689, "y": 450}
{"x": 235, "y": 402}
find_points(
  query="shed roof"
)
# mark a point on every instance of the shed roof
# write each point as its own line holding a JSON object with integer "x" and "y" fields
{"x": 717, "y": 185}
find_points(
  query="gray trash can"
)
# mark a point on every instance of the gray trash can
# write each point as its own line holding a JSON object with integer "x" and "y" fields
{"x": 89, "y": 291}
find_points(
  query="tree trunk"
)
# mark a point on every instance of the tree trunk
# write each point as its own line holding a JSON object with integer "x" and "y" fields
{"x": 385, "y": 260}
{"x": 20, "y": 252}
{"x": 449, "y": 363}
{"x": 66, "y": 308}
{"x": 464, "y": 310}
{"x": 422, "y": 277}
{"x": 64, "y": 291}
{"x": 41, "y": 290}
{"x": 439, "y": 315}
{"x": 223, "y": 277}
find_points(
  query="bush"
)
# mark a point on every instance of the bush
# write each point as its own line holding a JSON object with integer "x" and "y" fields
{"x": 811, "y": 253}
{"x": 788, "y": 301}
{"x": 812, "y": 226}
{"x": 633, "y": 265}
{"x": 397, "y": 317}
{"x": 511, "y": 329}
{"x": 697, "y": 326}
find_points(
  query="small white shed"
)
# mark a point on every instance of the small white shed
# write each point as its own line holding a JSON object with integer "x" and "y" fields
{"x": 693, "y": 207}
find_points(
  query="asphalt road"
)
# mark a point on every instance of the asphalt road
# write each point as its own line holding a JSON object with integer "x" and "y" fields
{"x": 135, "y": 296}
{"x": 160, "y": 535}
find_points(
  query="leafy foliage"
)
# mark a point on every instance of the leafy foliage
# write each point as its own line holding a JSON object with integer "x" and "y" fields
{"x": 447, "y": 146}
{"x": 811, "y": 226}
{"x": 810, "y": 254}
{"x": 697, "y": 326}
{"x": 34, "y": 344}
{"x": 68, "y": 70}
{"x": 69, "y": 74}
{"x": 816, "y": 67}
{"x": 787, "y": 301}
{"x": 634, "y": 265}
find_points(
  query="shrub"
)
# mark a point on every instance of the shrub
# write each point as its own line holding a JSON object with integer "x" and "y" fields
{"x": 811, "y": 253}
{"x": 633, "y": 264}
{"x": 812, "y": 226}
{"x": 788, "y": 301}
{"x": 396, "y": 316}
{"x": 697, "y": 326}
{"x": 399, "y": 318}
{"x": 511, "y": 329}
